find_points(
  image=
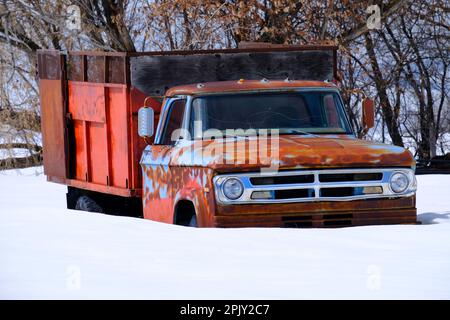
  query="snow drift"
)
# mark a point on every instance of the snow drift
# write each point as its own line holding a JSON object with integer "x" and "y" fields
{"x": 47, "y": 251}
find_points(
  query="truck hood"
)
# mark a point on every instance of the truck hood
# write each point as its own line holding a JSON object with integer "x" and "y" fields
{"x": 294, "y": 152}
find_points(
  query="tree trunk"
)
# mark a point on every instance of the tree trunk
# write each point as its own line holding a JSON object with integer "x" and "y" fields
{"x": 388, "y": 115}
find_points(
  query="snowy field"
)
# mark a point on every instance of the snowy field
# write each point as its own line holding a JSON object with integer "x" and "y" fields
{"x": 47, "y": 251}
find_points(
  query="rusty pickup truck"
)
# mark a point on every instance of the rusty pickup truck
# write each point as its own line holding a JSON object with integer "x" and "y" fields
{"x": 254, "y": 137}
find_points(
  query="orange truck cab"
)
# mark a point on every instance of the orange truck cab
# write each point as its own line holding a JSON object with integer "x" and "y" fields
{"x": 254, "y": 137}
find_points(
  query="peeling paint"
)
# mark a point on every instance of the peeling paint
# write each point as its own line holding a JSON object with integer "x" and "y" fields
{"x": 182, "y": 172}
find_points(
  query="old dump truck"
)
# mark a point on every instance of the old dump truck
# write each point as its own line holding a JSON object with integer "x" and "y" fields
{"x": 214, "y": 113}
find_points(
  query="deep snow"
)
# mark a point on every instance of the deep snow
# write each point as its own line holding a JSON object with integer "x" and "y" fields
{"x": 47, "y": 251}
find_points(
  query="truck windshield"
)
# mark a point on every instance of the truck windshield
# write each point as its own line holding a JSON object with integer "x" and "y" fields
{"x": 311, "y": 112}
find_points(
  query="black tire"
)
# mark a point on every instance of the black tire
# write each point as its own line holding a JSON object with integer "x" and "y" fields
{"x": 84, "y": 203}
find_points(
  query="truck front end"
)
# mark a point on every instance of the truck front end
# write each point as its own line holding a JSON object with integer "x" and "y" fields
{"x": 282, "y": 154}
{"x": 316, "y": 198}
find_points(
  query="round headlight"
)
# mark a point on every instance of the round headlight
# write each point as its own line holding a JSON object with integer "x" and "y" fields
{"x": 399, "y": 182}
{"x": 233, "y": 188}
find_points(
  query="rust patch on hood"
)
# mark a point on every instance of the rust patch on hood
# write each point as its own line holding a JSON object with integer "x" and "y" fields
{"x": 294, "y": 152}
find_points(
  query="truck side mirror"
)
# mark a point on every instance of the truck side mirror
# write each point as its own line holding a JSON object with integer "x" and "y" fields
{"x": 368, "y": 113}
{"x": 146, "y": 118}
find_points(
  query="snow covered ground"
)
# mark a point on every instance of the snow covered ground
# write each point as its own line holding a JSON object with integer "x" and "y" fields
{"x": 47, "y": 251}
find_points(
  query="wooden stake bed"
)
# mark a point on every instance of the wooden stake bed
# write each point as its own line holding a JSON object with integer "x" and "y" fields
{"x": 90, "y": 100}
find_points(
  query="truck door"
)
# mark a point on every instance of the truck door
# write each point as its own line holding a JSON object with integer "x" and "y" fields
{"x": 158, "y": 201}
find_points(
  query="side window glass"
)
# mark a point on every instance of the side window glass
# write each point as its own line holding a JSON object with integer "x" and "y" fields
{"x": 174, "y": 121}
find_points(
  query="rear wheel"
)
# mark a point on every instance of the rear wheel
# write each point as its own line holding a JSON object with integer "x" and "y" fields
{"x": 85, "y": 200}
{"x": 84, "y": 203}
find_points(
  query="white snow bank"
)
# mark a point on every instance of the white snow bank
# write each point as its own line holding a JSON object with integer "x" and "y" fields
{"x": 47, "y": 251}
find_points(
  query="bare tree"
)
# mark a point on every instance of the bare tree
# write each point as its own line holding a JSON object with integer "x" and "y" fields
{"x": 29, "y": 25}
{"x": 404, "y": 65}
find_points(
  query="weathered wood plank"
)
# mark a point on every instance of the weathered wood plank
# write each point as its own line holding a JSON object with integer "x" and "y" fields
{"x": 154, "y": 74}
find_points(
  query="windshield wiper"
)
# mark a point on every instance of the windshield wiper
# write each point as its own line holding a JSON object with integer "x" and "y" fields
{"x": 297, "y": 131}
{"x": 225, "y": 135}
{"x": 284, "y": 132}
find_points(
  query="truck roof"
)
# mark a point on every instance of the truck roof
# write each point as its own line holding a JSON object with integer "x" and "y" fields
{"x": 244, "y": 85}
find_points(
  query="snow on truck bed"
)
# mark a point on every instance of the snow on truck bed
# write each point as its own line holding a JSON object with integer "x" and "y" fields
{"x": 47, "y": 251}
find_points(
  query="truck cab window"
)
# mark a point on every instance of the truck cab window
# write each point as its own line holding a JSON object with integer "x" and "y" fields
{"x": 288, "y": 112}
{"x": 174, "y": 121}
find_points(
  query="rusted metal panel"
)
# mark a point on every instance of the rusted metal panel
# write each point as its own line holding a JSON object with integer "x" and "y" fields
{"x": 293, "y": 152}
{"x": 320, "y": 219}
{"x": 243, "y": 85}
{"x": 319, "y": 214}
{"x": 157, "y": 196}
{"x": 166, "y": 185}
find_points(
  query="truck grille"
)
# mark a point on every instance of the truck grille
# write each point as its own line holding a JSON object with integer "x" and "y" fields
{"x": 305, "y": 178}
{"x": 317, "y": 185}
{"x": 340, "y": 177}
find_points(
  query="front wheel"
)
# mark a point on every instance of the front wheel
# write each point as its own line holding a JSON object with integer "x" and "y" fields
{"x": 193, "y": 222}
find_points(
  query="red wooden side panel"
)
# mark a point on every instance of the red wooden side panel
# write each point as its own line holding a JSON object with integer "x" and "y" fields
{"x": 88, "y": 123}
{"x": 103, "y": 145}
{"x": 81, "y": 167}
{"x": 98, "y": 157}
{"x": 53, "y": 112}
{"x": 53, "y": 128}
{"x": 87, "y": 101}
{"x": 119, "y": 154}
